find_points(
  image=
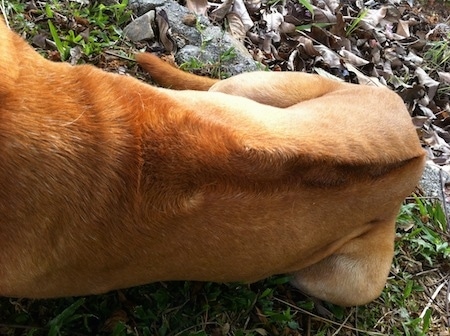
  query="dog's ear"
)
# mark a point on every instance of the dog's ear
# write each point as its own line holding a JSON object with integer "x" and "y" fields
{"x": 9, "y": 66}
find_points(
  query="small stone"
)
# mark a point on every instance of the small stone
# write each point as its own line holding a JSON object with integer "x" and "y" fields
{"x": 143, "y": 6}
{"x": 141, "y": 28}
{"x": 189, "y": 20}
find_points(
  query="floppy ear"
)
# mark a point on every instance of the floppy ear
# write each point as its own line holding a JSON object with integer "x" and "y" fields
{"x": 9, "y": 66}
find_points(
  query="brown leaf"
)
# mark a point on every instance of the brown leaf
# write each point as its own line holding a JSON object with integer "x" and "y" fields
{"x": 189, "y": 20}
{"x": 329, "y": 56}
{"x": 163, "y": 25}
{"x": 326, "y": 74}
{"x": 240, "y": 9}
{"x": 419, "y": 121}
{"x": 427, "y": 81}
{"x": 323, "y": 15}
{"x": 268, "y": 38}
{"x": 253, "y": 6}
{"x": 119, "y": 316}
{"x": 332, "y": 5}
{"x": 306, "y": 45}
{"x": 297, "y": 14}
{"x": 374, "y": 16}
{"x": 273, "y": 20}
{"x": 362, "y": 78}
{"x": 235, "y": 26}
{"x": 221, "y": 11}
{"x": 444, "y": 77}
{"x": 410, "y": 95}
{"x": 403, "y": 28}
{"x": 287, "y": 28}
{"x": 39, "y": 40}
{"x": 352, "y": 58}
{"x": 199, "y": 7}
{"x": 339, "y": 28}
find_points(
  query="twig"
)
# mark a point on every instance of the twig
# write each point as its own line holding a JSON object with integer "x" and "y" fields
{"x": 447, "y": 301}
{"x": 112, "y": 53}
{"x": 303, "y": 311}
{"x": 342, "y": 324}
{"x": 444, "y": 204}
{"x": 3, "y": 10}
{"x": 431, "y": 299}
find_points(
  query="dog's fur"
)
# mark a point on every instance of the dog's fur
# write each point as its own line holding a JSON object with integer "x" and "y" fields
{"x": 107, "y": 182}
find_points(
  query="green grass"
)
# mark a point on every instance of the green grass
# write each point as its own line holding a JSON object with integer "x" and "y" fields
{"x": 90, "y": 29}
{"x": 212, "y": 68}
{"x": 269, "y": 307}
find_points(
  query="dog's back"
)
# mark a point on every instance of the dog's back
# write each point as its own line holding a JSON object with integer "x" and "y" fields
{"x": 106, "y": 182}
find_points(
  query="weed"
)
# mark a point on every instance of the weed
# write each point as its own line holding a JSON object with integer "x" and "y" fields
{"x": 438, "y": 53}
{"x": 308, "y": 27}
{"x": 308, "y": 6}
{"x": 355, "y": 22}
{"x": 211, "y": 68}
{"x": 91, "y": 28}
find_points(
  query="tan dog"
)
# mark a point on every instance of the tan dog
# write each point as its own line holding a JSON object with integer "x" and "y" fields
{"x": 107, "y": 182}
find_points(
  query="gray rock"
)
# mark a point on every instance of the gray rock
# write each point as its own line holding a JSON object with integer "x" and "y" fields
{"x": 143, "y": 6}
{"x": 204, "y": 42}
{"x": 141, "y": 28}
{"x": 432, "y": 183}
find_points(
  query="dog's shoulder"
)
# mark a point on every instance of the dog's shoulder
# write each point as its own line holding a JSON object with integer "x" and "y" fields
{"x": 10, "y": 47}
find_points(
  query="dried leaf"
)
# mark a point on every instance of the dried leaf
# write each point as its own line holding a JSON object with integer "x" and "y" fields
{"x": 435, "y": 141}
{"x": 444, "y": 77}
{"x": 306, "y": 45}
{"x": 439, "y": 32}
{"x": 290, "y": 62}
{"x": 261, "y": 331}
{"x": 287, "y": 28}
{"x": 253, "y": 6}
{"x": 332, "y": 5}
{"x": 235, "y": 26}
{"x": 398, "y": 83}
{"x": 39, "y": 40}
{"x": 326, "y": 74}
{"x": 75, "y": 55}
{"x": 427, "y": 81}
{"x": 373, "y": 17}
{"x": 297, "y": 14}
{"x": 419, "y": 121}
{"x": 220, "y": 12}
{"x": 329, "y": 56}
{"x": 189, "y": 20}
{"x": 268, "y": 38}
{"x": 412, "y": 94}
{"x": 199, "y": 7}
{"x": 403, "y": 28}
{"x": 163, "y": 25}
{"x": 338, "y": 29}
{"x": 352, "y": 58}
{"x": 363, "y": 79}
{"x": 273, "y": 19}
{"x": 241, "y": 11}
{"x": 119, "y": 316}
{"x": 413, "y": 58}
{"x": 323, "y": 16}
